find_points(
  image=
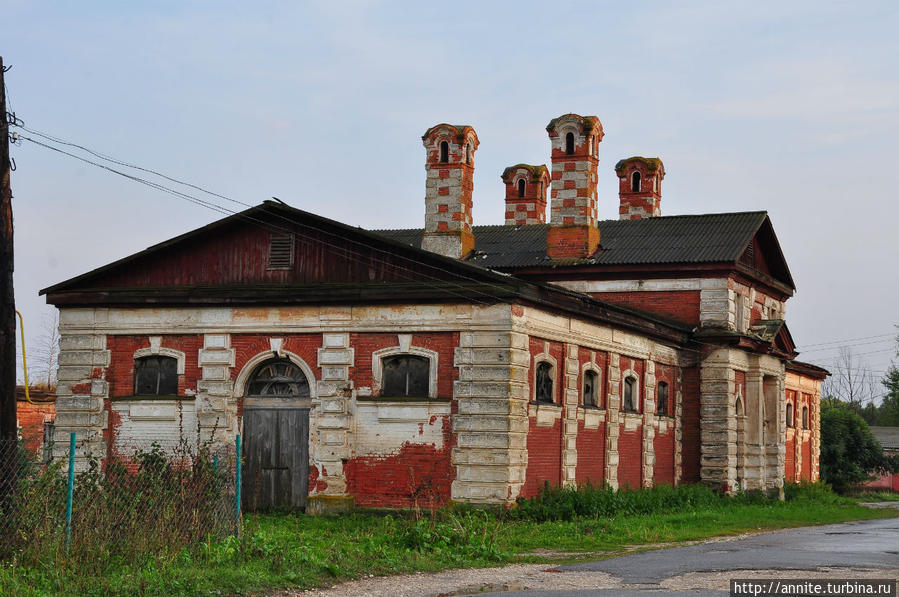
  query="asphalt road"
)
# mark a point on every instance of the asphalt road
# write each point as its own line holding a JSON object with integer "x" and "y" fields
{"x": 855, "y": 549}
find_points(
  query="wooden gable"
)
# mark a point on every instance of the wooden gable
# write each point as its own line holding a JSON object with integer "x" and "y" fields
{"x": 763, "y": 254}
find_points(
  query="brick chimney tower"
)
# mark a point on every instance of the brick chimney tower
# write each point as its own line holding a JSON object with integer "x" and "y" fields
{"x": 526, "y": 187}
{"x": 450, "y": 167}
{"x": 640, "y": 187}
{"x": 575, "y": 157}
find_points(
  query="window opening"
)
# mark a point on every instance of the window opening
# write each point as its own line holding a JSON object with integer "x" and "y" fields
{"x": 405, "y": 376}
{"x": 544, "y": 391}
{"x": 630, "y": 404}
{"x": 805, "y": 417}
{"x": 444, "y": 151}
{"x": 662, "y": 398}
{"x": 521, "y": 188}
{"x": 789, "y": 415}
{"x": 569, "y": 143}
{"x": 590, "y": 381}
{"x": 635, "y": 182}
{"x": 278, "y": 377}
{"x": 156, "y": 376}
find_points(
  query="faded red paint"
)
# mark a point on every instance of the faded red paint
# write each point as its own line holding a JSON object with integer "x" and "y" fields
{"x": 120, "y": 373}
{"x": 681, "y": 305}
{"x": 416, "y": 475}
{"x": 544, "y": 457}
{"x": 591, "y": 455}
{"x": 630, "y": 458}
{"x": 690, "y": 430}
{"x": 316, "y": 485}
{"x": 32, "y": 418}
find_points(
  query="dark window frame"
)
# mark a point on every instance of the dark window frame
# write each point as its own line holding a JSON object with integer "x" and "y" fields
{"x": 636, "y": 181}
{"x": 273, "y": 376}
{"x": 444, "y": 152}
{"x": 630, "y": 389}
{"x": 569, "y": 143}
{"x": 415, "y": 371}
{"x": 790, "y": 416}
{"x": 593, "y": 393}
{"x": 805, "y": 417}
{"x": 663, "y": 398}
{"x": 521, "y": 188}
{"x": 164, "y": 378}
{"x": 544, "y": 383}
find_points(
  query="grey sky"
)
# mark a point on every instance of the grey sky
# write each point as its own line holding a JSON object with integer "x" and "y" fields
{"x": 792, "y": 107}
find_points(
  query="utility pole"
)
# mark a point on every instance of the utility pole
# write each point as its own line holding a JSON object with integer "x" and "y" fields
{"x": 8, "y": 424}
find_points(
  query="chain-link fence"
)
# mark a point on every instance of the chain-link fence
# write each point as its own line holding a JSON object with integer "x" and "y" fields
{"x": 157, "y": 498}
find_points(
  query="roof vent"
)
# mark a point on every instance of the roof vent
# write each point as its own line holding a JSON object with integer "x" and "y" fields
{"x": 280, "y": 251}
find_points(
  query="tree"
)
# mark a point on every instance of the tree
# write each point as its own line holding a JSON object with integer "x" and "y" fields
{"x": 889, "y": 408}
{"x": 851, "y": 382}
{"x": 46, "y": 352}
{"x": 850, "y": 454}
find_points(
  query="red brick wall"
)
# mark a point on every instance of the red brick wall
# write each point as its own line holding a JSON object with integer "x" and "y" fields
{"x": 591, "y": 454}
{"x": 442, "y": 343}
{"x": 31, "y": 418}
{"x": 120, "y": 373}
{"x": 544, "y": 457}
{"x": 790, "y": 461}
{"x": 418, "y": 475}
{"x": 247, "y": 346}
{"x": 677, "y": 305}
{"x": 806, "y": 473}
{"x": 630, "y": 458}
{"x": 663, "y": 471}
{"x": 690, "y": 422}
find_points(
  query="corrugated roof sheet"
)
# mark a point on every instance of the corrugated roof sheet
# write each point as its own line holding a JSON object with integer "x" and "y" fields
{"x": 707, "y": 238}
{"x": 887, "y": 436}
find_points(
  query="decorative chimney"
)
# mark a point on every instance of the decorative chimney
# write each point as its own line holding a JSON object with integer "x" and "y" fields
{"x": 526, "y": 194}
{"x": 450, "y": 167}
{"x": 640, "y": 187}
{"x": 575, "y": 158}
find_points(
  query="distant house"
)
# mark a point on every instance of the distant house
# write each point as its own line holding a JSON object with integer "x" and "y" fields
{"x": 889, "y": 439}
{"x": 35, "y": 417}
{"x": 455, "y": 362}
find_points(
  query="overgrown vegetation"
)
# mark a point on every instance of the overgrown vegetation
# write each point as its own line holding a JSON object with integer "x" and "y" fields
{"x": 295, "y": 551}
{"x": 150, "y": 504}
{"x": 849, "y": 452}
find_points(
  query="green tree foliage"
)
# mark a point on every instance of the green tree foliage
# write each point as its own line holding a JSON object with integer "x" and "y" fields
{"x": 850, "y": 454}
{"x": 888, "y": 414}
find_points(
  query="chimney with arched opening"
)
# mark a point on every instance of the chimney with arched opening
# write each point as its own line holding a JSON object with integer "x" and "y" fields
{"x": 640, "y": 187}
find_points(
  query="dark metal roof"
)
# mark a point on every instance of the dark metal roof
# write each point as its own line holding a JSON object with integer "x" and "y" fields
{"x": 709, "y": 238}
{"x": 887, "y": 436}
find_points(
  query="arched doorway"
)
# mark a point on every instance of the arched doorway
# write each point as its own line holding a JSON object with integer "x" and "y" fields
{"x": 276, "y": 436}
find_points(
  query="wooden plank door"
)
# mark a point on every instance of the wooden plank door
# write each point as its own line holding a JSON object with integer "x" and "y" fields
{"x": 276, "y": 455}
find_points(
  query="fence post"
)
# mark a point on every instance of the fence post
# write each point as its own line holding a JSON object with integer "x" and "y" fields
{"x": 70, "y": 491}
{"x": 237, "y": 483}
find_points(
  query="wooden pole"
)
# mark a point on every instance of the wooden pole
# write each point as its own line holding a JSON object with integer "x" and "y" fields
{"x": 7, "y": 313}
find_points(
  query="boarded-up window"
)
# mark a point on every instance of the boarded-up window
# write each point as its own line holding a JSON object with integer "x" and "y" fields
{"x": 662, "y": 399}
{"x": 280, "y": 251}
{"x": 590, "y": 390}
{"x": 544, "y": 389}
{"x": 278, "y": 377}
{"x": 630, "y": 398}
{"x": 155, "y": 376}
{"x": 406, "y": 376}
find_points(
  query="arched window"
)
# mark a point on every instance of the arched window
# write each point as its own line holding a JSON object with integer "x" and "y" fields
{"x": 635, "y": 182}
{"x": 156, "y": 376}
{"x": 278, "y": 377}
{"x": 521, "y": 188}
{"x": 630, "y": 395}
{"x": 805, "y": 417}
{"x": 444, "y": 151}
{"x": 405, "y": 376}
{"x": 544, "y": 389}
{"x": 662, "y": 399}
{"x": 591, "y": 391}
{"x": 468, "y": 153}
{"x": 789, "y": 415}
{"x": 569, "y": 143}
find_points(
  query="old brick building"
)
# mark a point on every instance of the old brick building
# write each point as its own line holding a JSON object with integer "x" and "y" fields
{"x": 453, "y": 361}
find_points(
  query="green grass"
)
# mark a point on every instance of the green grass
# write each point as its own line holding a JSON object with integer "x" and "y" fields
{"x": 290, "y": 551}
